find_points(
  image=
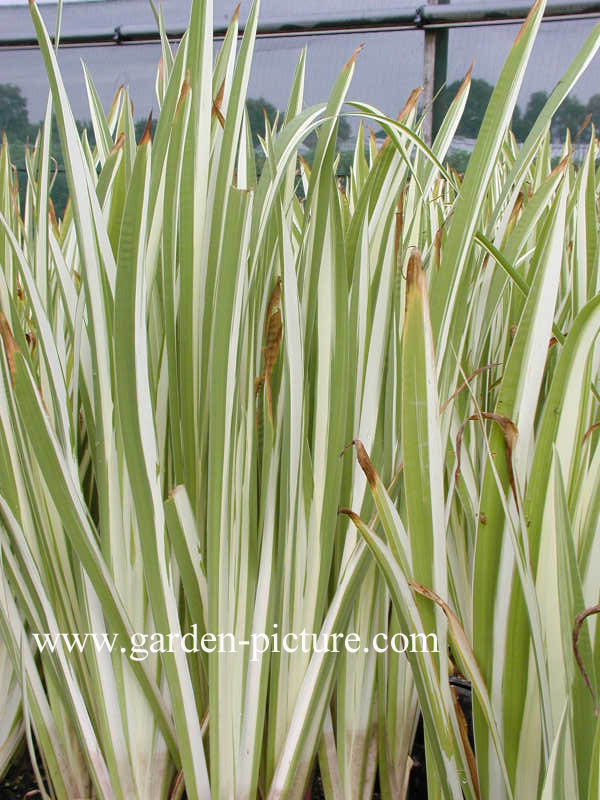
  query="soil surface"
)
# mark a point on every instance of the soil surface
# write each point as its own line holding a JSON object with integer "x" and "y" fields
{"x": 19, "y": 782}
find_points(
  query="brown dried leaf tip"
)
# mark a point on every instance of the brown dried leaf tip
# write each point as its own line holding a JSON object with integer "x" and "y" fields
{"x": 185, "y": 88}
{"x": 365, "y": 463}
{"x": 437, "y": 243}
{"x": 10, "y": 346}
{"x": 415, "y": 276}
{"x": 413, "y": 269}
{"x": 406, "y": 109}
{"x": 177, "y": 786}
{"x": 363, "y": 459}
{"x": 118, "y": 144}
{"x": 468, "y": 380}
{"x": 349, "y": 513}
{"x": 52, "y": 215}
{"x": 147, "y": 135}
{"x": 583, "y": 126}
{"x": 425, "y": 591}
{"x": 516, "y": 209}
{"x": 579, "y": 619}
{"x": 410, "y": 103}
{"x": 354, "y": 56}
{"x": 466, "y": 80}
{"x": 217, "y": 103}
{"x": 590, "y": 430}
{"x": 560, "y": 166}
{"x": 511, "y": 434}
{"x": 533, "y": 10}
{"x": 31, "y": 339}
{"x": 273, "y": 336}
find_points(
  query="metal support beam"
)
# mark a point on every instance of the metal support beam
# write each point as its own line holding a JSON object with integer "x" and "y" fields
{"x": 423, "y": 18}
{"x": 428, "y": 82}
{"x": 301, "y": 26}
{"x": 435, "y": 67}
{"x": 440, "y": 77}
{"x": 449, "y": 16}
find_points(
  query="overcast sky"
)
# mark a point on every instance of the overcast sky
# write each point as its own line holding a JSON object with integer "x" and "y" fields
{"x": 389, "y": 67}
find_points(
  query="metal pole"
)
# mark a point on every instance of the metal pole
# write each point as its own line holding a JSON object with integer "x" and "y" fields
{"x": 428, "y": 81}
{"x": 435, "y": 68}
{"x": 440, "y": 75}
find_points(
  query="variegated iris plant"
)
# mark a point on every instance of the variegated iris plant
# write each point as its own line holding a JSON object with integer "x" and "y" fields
{"x": 187, "y": 353}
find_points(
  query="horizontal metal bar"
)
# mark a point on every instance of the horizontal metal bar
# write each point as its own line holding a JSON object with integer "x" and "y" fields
{"x": 82, "y": 39}
{"x": 278, "y": 27}
{"x": 330, "y": 23}
{"x": 449, "y": 15}
{"x": 439, "y": 16}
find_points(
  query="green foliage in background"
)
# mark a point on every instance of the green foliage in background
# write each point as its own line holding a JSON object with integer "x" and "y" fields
{"x": 571, "y": 115}
{"x": 14, "y": 122}
{"x": 14, "y": 119}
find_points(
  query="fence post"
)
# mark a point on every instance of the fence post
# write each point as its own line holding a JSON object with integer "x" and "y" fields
{"x": 435, "y": 65}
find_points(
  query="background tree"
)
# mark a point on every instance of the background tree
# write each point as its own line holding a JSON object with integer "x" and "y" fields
{"x": 343, "y": 135}
{"x": 20, "y": 132}
{"x": 593, "y": 108}
{"x": 571, "y": 115}
{"x": 14, "y": 119}
{"x": 257, "y": 107}
{"x": 344, "y": 130}
{"x": 14, "y": 122}
{"x": 532, "y": 110}
{"x": 479, "y": 97}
